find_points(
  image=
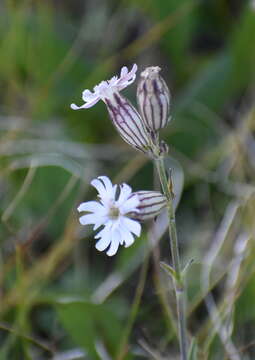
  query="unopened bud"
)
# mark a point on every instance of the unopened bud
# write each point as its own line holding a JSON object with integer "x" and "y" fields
{"x": 153, "y": 97}
{"x": 151, "y": 204}
{"x": 128, "y": 122}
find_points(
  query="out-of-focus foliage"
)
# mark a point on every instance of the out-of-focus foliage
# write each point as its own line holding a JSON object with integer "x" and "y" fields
{"x": 60, "y": 298}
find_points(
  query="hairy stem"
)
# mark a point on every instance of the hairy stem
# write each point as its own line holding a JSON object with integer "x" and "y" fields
{"x": 178, "y": 283}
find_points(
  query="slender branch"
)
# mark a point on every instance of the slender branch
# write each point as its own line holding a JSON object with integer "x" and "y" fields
{"x": 178, "y": 283}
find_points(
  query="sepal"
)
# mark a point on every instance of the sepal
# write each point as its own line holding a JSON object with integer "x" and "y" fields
{"x": 151, "y": 203}
{"x": 128, "y": 122}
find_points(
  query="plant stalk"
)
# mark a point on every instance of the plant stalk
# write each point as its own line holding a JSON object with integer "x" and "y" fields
{"x": 178, "y": 281}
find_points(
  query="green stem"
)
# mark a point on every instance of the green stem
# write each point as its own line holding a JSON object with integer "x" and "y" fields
{"x": 179, "y": 285}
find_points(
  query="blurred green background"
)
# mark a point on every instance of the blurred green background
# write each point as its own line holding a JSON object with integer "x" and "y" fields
{"x": 60, "y": 298}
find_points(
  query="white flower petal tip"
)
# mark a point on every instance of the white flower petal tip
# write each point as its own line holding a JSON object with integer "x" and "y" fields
{"x": 113, "y": 249}
{"x": 112, "y": 213}
{"x": 74, "y": 107}
{"x": 79, "y": 208}
{"x": 106, "y": 89}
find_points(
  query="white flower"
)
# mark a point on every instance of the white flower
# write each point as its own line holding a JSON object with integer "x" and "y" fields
{"x": 112, "y": 213}
{"x": 106, "y": 89}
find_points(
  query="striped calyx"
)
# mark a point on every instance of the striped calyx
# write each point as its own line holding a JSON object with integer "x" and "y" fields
{"x": 151, "y": 203}
{"x": 153, "y": 98}
{"x": 128, "y": 122}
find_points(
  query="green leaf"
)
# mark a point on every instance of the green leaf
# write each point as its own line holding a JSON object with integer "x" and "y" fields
{"x": 186, "y": 267}
{"x": 193, "y": 350}
{"x": 169, "y": 270}
{"x": 87, "y": 323}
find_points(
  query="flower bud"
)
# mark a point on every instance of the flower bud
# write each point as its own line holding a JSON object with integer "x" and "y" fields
{"x": 128, "y": 122}
{"x": 151, "y": 203}
{"x": 153, "y": 98}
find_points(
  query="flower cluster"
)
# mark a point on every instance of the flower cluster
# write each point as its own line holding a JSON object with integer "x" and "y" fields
{"x": 118, "y": 214}
{"x": 137, "y": 129}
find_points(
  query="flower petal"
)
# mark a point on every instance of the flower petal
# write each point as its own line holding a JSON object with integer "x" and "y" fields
{"x": 125, "y": 192}
{"x": 126, "y": 236}
{"x": 88, "y": 219}
{"x": 106, "y": 89}
{"x": 124, "y": 71}
{"x": 86, "y": 105}
{"x": 101, "y": 220}
{"x": 75, "y": 107}
{"x": 130, "y": 205}
{"x": 115, "y": 241}
{"x": 105, "y": 230}
{"x": 92, "y": 206}
{"x": 132, "y": 225}
{"x": 105, "y": 239}
{"x": 105, "y": 189}
{"x": 87, "y": 95}
{"x": 110, "y": 189}
{"x": 99, "y": 187}
{"x": 126, "y": 78}
{"x": 103, "y": 243}
{"x": 129, "y": 239}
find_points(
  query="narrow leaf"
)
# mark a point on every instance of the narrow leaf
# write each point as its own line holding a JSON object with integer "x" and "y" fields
{"x": 193, "y": 350}
{"x": 169, "y": 270}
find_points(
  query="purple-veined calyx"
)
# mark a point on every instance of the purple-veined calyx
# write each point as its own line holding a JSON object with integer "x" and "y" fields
{"x": 128, "y": 122}
{"x": 151, "y": 203}
{"x": 153, "y": 98}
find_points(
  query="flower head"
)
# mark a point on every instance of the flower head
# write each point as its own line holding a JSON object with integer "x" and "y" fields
{"x": 123, "y": 114}
{"x": 112, "y": 212}
{"x": 106, "y": 89}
